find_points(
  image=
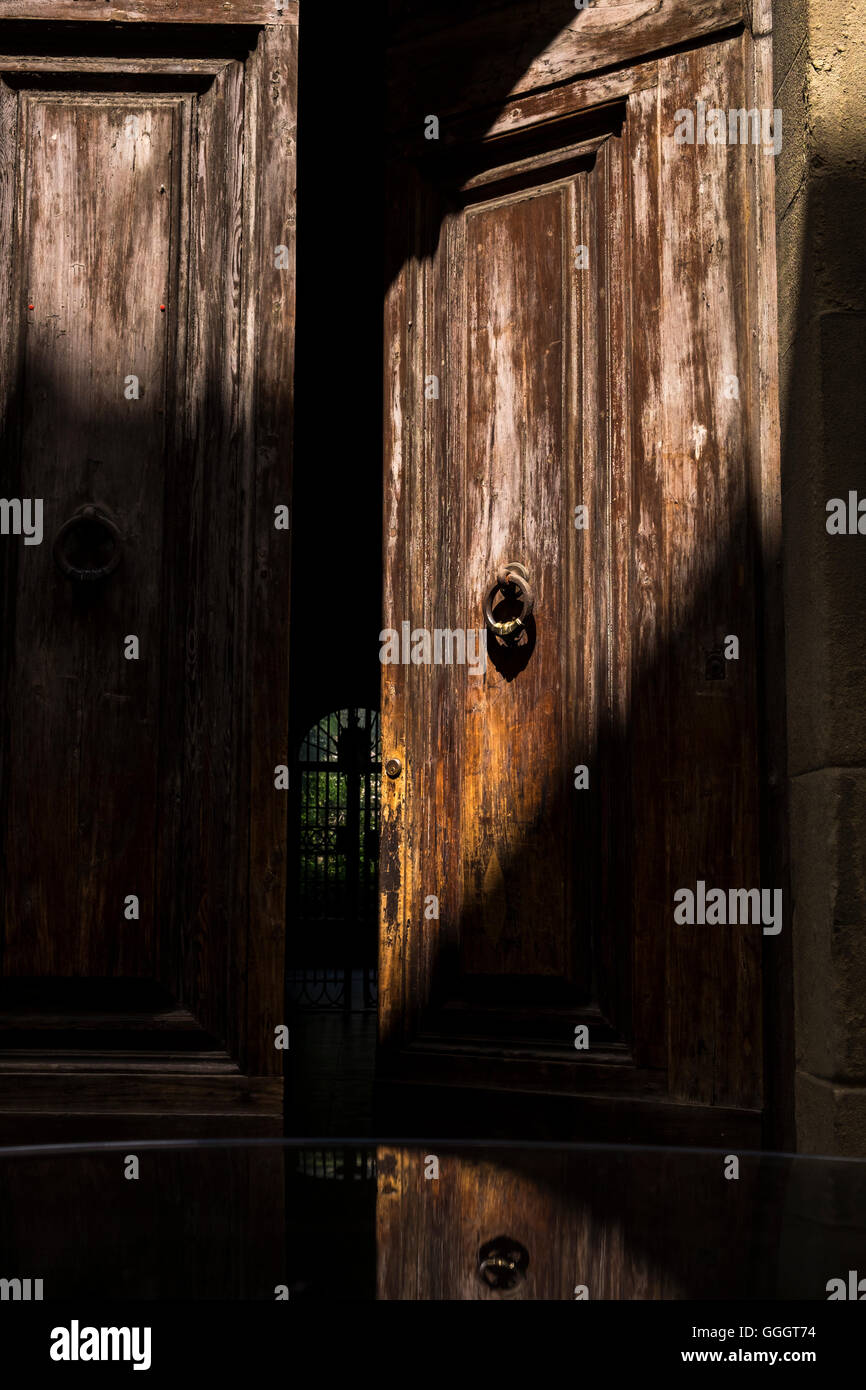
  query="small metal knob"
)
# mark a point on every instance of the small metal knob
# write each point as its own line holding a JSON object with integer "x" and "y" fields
{"x": 393, "y": 767}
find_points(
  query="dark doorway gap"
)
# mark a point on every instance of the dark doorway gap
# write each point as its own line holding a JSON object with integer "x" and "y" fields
{"x": 337, "y": 498}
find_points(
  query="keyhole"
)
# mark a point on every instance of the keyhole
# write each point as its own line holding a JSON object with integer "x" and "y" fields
{"x": 715, "y": 668}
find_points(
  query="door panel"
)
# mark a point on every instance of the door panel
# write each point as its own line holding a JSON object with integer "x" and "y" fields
{"x": 82, "y": 808}
{"x": 147, "y": 284}
{"x": 517, "y": 333}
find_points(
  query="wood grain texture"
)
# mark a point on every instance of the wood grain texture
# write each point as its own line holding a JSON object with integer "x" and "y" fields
{"x": 129, "y": 1088}
{"x": 272, "y": 12}
{"x": 81, "y": 796}
{"x": 511, "y": 749}
{"x": 519, "y": 49}
{"x": 213, "y": 837}
{"x": 650, "y": 905}
{"x": 20, "y": 68}
{"x": 554, "y": 107}
{"x": 526, "y": 362}
{"x": 759, "y": 17}
{"x": 270, "y": 218}
{"x": 626, "y": 1225}
{"x": 175, "y": 776}
{"x": 395, "y": 1008}
{"x": 713, "y": 975}
{"x": 672, "y": 463}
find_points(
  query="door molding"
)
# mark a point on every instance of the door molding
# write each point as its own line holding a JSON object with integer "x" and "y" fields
{"x": 269, "y": 12}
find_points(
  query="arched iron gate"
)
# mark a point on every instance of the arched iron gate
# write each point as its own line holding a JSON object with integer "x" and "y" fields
{"x": 335, "y": 824}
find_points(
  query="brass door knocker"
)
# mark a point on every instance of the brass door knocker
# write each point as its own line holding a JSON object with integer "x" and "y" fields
{"x": 513, "y": 582}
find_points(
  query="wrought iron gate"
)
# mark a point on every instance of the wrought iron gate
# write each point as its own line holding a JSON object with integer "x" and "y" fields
{"x": 332, "y": 922}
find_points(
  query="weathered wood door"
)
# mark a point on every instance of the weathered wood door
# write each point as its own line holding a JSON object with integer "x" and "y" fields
{"x": 146, "y": 303}
{"x": 580, "y": 381}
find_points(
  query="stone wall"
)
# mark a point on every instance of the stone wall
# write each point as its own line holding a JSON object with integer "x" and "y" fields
{"x": 820, "y": 85}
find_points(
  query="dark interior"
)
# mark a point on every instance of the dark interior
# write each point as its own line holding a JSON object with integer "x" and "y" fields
{"x": 336, "y": 550}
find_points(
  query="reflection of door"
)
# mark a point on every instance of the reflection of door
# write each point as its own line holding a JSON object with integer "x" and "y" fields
{"x": 147, "y": 286}
{"x": 594, "y": 300}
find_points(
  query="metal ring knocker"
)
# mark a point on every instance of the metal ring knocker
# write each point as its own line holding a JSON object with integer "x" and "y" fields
{"x": 502, "y": 1263}
{"x": 510, "y": 578}
{"x": 89, "y": 532}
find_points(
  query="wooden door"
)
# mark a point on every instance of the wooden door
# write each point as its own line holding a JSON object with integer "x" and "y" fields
{"x": 147, "y": 282}
{"x": 579, "y": 381}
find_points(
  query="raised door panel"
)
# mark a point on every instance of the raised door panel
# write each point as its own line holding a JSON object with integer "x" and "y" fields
{"x": 93, "y": 298}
